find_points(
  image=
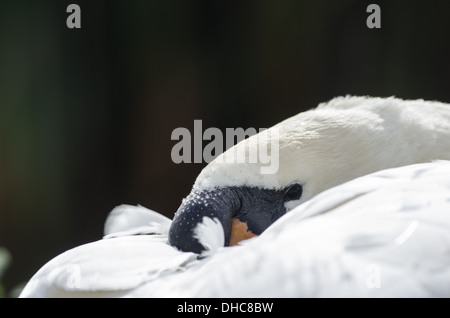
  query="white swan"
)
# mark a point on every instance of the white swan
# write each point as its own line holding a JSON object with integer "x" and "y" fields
{"x": 385, "y": 234}
{"x": 338, "y": 141}
{"x": 341, "y": 140}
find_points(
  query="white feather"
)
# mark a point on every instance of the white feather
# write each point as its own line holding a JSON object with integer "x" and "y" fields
{"x": 127, "y": 220}
{"x": 382, "y": 235}
{"x": 109, "y": 267}
{"x": 210, "y": 234}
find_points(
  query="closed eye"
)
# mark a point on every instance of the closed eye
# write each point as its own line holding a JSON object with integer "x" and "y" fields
{"x": 294, "y": 192}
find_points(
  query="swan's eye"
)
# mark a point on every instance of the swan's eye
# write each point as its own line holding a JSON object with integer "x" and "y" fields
{"x": 294, "y": 192}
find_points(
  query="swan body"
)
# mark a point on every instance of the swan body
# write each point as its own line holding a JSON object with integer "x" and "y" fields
{"x": 381, "y": 235}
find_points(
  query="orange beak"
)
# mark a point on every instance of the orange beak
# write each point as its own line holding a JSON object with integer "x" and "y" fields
{"x": 239, "y": 232}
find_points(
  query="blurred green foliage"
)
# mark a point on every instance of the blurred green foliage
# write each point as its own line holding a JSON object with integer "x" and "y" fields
{"x": 5, "y": 260}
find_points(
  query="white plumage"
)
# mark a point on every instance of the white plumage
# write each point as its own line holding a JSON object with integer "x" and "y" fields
{"x": 340, "y": 140}
{"x": 385, "y": 234}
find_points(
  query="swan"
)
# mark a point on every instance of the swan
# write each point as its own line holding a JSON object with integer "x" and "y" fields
{"x": 381, "y": 235}
{"x": 322, "y": 153}
{"x": 338, "y": 141}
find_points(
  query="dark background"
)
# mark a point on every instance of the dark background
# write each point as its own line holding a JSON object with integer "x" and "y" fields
{"x": 86, "y": 114}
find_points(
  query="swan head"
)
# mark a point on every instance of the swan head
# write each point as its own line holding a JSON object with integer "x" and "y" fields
{"x": 315, "y": 150}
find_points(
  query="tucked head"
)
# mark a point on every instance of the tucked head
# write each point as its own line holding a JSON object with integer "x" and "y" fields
{"x": 316, "y": 150}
